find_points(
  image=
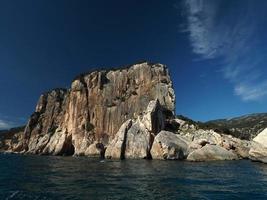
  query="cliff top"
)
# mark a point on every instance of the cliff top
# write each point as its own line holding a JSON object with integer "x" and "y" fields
{"x": 114, "y": 68}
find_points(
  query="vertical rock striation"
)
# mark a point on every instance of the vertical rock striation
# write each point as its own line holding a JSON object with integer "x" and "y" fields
{"x": 135, "y": 137}
{"x": 92, "y": 111}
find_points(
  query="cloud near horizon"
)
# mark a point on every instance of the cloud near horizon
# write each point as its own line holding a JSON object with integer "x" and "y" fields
{"x": 231, "y": 33}
{"x": 5, "y": 124}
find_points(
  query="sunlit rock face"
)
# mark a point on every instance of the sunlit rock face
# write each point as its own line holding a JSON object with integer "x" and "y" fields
{"x": 258, "y": 151}
{"x": 211, "y": 152}
{"x": 68, "y": 122}
{"x": 169, "y": 146}
{"x": 135, "y": 137}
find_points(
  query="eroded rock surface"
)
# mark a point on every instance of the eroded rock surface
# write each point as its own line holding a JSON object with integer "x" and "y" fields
{"x": 258, "y": 151}
{"x": 94, "y": 108}
{"x": 211, "y": 153}
{"x": 169, "y": 146}
{"x": 116, "y": 147}
{"x": 9, "y": 139}
{"x": 135, "y": 137}
{"x": 124, "y": 113}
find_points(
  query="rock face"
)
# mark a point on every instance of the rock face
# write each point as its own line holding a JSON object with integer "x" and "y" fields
{"x": 116, "y": 148}
{"x": 92, "y": 111}
{"x": 261, "y": 138}
{"x": 169, "y": 146}
{"x": 258, "y": 151}
{"x": 9, "y": 139}
{"x": 135, "y": 137}
{"x": 210, "y": 153}
{"x": 121, "y": 114}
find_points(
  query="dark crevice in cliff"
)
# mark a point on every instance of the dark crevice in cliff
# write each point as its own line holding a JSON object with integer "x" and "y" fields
{"x": 103, "y": 79}
{"x": 151, "y": 140}
{"x": 123, "y": 147}
{"x": 101, "y": 149}
{"x": 68, "y": 148}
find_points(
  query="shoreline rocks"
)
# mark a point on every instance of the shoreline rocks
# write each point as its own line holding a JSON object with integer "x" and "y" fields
{"x": 169, "y": 146}
{"x": 125, "y": 113}
{"x": 210, "y": 153}
{"x": 135, "y": 137}
{"x": 258, "y": 151}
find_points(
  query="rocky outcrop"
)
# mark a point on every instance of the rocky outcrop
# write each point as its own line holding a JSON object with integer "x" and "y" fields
{"x": 261, "y": 138}
{"x": 211, "y": 153}
{"x": 169, "y": 146}
{"x": 116, "y": 147}
{"x": 125, "y": 113}
{"x": 9, "y": 139}
{"x": 154, "y": 118}
{"x": 92, "y": 111}
{"x": 44, "y": 133}
{"x": 137, "y": 141}
{"x": 258, "y": 151}
{"x": 239, "y": 147}
{"x": 200, "y": 138}
{"x": 135, "y": 137}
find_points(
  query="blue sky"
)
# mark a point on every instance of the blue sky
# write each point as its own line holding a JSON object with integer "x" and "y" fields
{"x": 215, "y": 50}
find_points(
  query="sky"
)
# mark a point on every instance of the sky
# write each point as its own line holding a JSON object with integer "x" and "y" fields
{"x": 215, "y": 50}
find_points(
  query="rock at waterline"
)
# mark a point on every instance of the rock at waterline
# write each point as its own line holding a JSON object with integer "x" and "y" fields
{"x": 211, "y": 153}
{"x": 169, "y": 146}
{"x": 258, "y": 151}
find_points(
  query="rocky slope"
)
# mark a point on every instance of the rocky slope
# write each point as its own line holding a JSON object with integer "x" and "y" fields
{"x": 218, "y": 145}
{"x": 87, "y": 116}
{"x": 244, "y": 127}
{"x": 9, "y": 138}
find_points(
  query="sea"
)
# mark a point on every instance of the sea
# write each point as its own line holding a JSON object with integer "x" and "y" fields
{"x": 51, "y": 177}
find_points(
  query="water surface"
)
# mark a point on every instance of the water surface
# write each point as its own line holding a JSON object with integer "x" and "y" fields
{"x": 47, "y": 177}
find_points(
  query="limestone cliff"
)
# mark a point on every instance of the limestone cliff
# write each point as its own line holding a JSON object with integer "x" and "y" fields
{"x": 86, "y": 117}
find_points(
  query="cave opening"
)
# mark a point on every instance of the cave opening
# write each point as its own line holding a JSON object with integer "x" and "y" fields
{"x": 68, "y": 148}
{"x": 69, "y": 151}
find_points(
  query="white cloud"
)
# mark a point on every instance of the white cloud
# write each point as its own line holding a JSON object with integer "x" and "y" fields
{"x": 200, "y": 24}
{"x": 251, "y": 92}
{"x": 229, "y": 35}
{"x": 5, "y": 124}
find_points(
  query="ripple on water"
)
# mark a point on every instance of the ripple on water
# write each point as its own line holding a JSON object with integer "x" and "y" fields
{"x": 46, "y": 177}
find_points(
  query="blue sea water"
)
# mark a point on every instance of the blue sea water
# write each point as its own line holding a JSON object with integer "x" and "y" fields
{"x": 48, "y": 177}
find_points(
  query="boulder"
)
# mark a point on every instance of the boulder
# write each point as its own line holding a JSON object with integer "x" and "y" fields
{"x": 258, "y": 151}
{"x": 261, "y": 138}
{"x": 137, "y": 142}
{"x": 238, "y": 146}
{"x": 135, "y": 137}
{"x": 209, "y": 136}
{"x": 200, "y": 138}
{"x": 96, "y": 149}
{"x": 169, "y": 146}
{"x": 210, "y": 153}
{"x": 131, "y": 141}
{"x": 116, "y": 148}
{"x": 153, "y": 118}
